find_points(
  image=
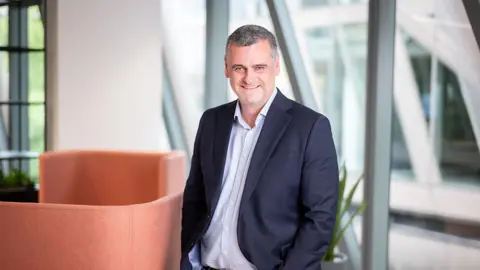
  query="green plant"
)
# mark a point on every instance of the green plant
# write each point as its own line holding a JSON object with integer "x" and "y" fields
{"x": 15, "y": 178}
{"x": 343, "y": 207}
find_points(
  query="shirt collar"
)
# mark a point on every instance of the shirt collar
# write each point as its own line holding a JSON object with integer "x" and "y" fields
{"x": 263, "y": 112}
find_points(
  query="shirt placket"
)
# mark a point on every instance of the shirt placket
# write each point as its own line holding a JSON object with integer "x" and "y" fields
{"x": 232, "y": 191}
{"x": 238, "y": 185}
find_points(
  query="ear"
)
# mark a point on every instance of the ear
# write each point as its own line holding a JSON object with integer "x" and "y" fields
{"x": 277, "y": 65}
{"x": 227, "y": 75}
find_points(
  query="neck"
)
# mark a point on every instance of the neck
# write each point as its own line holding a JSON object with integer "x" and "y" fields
{"x": 250, "y": 114}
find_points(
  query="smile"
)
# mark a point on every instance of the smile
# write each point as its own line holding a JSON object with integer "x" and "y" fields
{"x": 250, "y": 87}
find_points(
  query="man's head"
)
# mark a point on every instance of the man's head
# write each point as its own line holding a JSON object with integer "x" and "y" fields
{"x": 251, "y": 64}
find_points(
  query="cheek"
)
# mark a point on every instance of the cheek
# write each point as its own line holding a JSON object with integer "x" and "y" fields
{"x": 267, "y": 77}
{"x": 235, "y": 78}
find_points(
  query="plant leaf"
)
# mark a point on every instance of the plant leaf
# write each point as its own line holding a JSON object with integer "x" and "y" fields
{"x": 348, "y": 201}
{"x": 341, "y": 190}
{"x": 340, "y": 235}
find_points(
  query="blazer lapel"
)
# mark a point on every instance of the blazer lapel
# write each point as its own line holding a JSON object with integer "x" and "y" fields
{"x": 223, "y": 127}
{"x": 273, "y": 128}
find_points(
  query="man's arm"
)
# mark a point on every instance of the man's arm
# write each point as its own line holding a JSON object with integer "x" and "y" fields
{"x": 319, "y": 193}
{"x": 194, "y": 202}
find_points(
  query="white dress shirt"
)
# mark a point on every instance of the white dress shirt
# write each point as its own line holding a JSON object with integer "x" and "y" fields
{"x": 219, "y": 245}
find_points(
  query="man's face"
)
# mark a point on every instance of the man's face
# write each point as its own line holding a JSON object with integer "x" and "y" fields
{"x": 252, "y": 71}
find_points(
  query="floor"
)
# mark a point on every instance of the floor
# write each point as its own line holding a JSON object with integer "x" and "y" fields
{"x": 412, "y": 248}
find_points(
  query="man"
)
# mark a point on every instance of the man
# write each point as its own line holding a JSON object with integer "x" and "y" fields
{"x": 262, "y": 189}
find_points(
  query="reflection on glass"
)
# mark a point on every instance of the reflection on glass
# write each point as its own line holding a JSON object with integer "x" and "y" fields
{"x": 460, "y": 157}
{"x": 432, "y": 216}
{"x": 3, "y": 25}
{"x": 36, "y": 127}
{"x": 401, "y": 166}
{"x": 36, "y": 32}
{"x": 315, "y": 3}
{"x": 36, "y": 84}
{"x": 421, "y": 63}
{"x": 457, "y": 150}
{"x": 336, "y": 54}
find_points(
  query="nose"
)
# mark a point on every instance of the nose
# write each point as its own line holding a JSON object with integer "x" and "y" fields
{"x": 248, "y": 78}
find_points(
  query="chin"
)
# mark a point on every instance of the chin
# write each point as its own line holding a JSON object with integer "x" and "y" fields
{"x": 253, "y": 101}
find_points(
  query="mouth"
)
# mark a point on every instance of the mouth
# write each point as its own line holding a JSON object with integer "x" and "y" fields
{"x": 250, "y": 87}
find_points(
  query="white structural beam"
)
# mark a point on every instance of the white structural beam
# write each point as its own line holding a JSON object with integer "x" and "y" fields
{"x": 441, "y": 37}
{"x": 297, "y": 72}
{"x": 411, "y": 117}
{"x": 322, "y": 16}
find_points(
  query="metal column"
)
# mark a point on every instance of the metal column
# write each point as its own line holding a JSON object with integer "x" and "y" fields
{"x": 378, "y": 133}
{"x": 216, "y": 87}
{"x": 472, "y": 7}
{"x": 18, "y": 83}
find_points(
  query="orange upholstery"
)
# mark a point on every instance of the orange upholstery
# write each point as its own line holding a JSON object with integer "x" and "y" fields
{"x": 98, "y": 210}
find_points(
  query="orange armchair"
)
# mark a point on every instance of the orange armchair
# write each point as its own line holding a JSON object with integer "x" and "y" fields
{"x": 98, "y": 210}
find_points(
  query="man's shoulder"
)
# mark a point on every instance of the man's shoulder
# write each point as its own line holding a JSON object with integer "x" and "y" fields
{"x": 220, "y": 108}
{"x": 304, "y": 113}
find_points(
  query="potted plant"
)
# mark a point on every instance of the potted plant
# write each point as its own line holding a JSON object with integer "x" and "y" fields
{"x": 333, "y": 258}
{"x": 17, "y": 186}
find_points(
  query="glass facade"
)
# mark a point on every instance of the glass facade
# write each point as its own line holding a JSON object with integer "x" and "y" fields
{"x": 435, "y": 123}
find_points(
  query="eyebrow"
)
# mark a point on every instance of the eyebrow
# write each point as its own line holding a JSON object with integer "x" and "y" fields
{"x": 242, "y": 66}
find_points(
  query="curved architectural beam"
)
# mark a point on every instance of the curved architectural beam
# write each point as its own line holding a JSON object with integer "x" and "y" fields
{"x": 171, "y": 116}
{"x": 297, "y": 72}
{"x": 441, "y": 38}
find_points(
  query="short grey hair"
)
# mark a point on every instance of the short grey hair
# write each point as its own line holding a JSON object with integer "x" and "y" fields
{"x": 250, "y": 34}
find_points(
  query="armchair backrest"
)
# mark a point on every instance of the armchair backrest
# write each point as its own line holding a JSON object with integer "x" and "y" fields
{"x": 104, "y": 177}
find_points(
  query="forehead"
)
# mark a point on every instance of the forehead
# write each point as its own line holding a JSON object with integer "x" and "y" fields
{"x": 256, "y": 52}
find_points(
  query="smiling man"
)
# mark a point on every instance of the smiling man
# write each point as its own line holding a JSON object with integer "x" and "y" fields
{"x": 263, "y": 184}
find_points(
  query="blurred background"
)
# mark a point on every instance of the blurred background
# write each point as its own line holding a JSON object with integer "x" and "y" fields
{"x": 96, "y": 74}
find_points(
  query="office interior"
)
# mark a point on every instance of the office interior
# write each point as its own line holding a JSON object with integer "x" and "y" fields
{"x": 399, "y": 81}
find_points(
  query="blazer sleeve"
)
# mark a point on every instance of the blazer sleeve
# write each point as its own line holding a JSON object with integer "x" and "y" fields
{"x": 319, "y": 193}
{"x": 194, "y": 202}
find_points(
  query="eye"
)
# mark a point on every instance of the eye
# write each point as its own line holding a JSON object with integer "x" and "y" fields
{"x": 260, "y": 68}
{"x": 238, "y": 69}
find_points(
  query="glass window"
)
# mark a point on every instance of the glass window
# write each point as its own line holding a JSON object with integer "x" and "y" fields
{"x": 22, "y": 85}
{"x": 184, "y": 47}
{"x": 334, "y": 51}
{"x": 433, "y": 138}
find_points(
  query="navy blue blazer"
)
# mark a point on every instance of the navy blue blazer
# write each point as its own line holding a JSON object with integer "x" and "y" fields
{"x": 289, "y": 204}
